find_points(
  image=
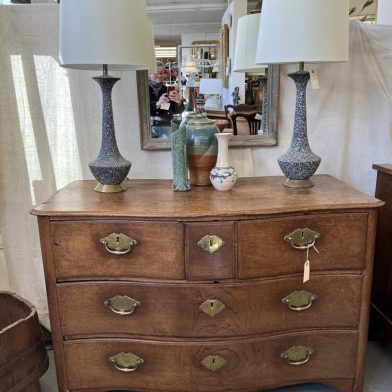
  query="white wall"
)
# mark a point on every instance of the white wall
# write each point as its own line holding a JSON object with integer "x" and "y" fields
{"x": 4, "y": 283}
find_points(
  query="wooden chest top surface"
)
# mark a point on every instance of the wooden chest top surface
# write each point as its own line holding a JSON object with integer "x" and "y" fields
{"x": 154, "y": 199}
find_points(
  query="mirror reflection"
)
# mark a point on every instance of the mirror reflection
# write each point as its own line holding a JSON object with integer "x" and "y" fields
{"x": 165, "y": 102}
{"x": 252, "y": 118}
{"x": 197, "y": 73}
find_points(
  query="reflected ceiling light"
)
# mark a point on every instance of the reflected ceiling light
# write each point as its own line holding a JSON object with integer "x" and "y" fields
{"x": 185, "y": 7}
{"x": 166, "y": 51}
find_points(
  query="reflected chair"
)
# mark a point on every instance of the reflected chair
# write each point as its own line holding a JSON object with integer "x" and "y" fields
{"x": 242, "y": 107}
{"x": 253, "y": 122}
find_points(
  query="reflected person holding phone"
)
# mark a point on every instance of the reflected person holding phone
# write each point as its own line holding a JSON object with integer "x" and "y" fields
{"x": 164, "y": 103}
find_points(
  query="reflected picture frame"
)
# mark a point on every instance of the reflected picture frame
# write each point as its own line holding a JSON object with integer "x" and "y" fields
{"x": 269, "y": 139}
{"x": 224, "y": 53}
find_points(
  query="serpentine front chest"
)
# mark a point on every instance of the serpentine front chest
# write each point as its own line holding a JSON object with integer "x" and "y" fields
{"x": 154, "y": 290}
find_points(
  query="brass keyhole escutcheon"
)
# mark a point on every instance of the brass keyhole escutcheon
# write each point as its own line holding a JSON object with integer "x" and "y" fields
{"x": 302, "y": 238}
{"x": 212, "y": 307}
{"x": 118, "y": 243}
{"x": 211, "y": 243}
{"x": 213, "y": 362}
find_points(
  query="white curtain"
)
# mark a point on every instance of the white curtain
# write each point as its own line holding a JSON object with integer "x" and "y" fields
{"x": 50, "y": 121}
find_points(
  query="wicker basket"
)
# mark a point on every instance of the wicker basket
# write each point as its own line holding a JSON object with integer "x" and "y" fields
{"x": 23, "y": 358}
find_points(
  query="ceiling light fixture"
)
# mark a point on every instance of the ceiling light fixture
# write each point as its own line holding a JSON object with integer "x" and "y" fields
{"x": 185, "y": 7}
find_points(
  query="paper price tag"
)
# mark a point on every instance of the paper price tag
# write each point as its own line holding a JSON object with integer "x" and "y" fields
{"x": 307, "y": 264}
{"x": 165, "y": 106}
{"x": 314, "y": 79}
{"x": 306, "y": 271}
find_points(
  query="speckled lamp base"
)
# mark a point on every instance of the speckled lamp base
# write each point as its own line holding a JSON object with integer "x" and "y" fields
{"x": 110, "y": 169}
{"x": 299, "y": 163}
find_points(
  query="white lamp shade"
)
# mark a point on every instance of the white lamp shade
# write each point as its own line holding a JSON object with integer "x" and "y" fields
{"x": 384, "y": 12}
{"x": 97, "y": 32}
{"x": 246, "y": 45}
{"x": 210, "y": 86}
{"x": 312, "y": 31}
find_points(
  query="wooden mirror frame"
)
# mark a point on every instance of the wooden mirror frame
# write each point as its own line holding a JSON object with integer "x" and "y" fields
{"x": 267, "y": 140}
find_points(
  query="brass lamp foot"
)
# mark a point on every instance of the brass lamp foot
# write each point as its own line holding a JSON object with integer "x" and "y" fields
{"x": 298, "y": 183}
{"x": 109, "y": 188}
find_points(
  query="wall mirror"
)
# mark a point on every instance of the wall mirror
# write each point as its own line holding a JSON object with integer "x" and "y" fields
{"x": 268, "y": 138}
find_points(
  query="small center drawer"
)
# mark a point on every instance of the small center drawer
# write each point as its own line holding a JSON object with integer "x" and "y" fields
{"x": 80, "y": 250}
{"x": 209, "y": 251}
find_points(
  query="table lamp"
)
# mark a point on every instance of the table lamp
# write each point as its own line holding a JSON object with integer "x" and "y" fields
{"x": 212, "y": 87}
{"x": 245, "y": 56}
{"x": 384, "y": 12}
{"x": 102, "y": 34}
{"x": 298, "y": 31}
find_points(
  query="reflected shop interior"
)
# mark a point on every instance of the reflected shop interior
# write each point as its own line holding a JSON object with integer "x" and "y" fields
{"x": 202, "y": 68}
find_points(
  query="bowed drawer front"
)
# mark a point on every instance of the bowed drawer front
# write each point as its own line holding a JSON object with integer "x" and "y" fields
{"x": 264, "y": 252}
{"x": 82, "y": 250}
{"x": 215, "y": 366}
{"x": 156, "y": 291}
{"x": 207, "y": 310}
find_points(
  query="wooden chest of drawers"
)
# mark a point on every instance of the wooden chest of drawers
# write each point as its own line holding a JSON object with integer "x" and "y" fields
{"x": 160, "y": 291}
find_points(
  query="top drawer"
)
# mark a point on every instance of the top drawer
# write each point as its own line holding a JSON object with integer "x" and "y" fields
{"x": 79, "y": 252}
{"x": 263, "y": 251}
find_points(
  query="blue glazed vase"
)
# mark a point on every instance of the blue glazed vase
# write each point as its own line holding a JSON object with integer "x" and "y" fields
{"x": 202, "y": 149}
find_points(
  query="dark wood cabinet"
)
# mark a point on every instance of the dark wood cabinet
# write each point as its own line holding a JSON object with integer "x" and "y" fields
{"x": 206, "y": 291}
{"x": 381, "y": 310}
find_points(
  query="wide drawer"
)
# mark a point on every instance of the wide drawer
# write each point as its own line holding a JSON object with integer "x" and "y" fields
{"x": 79, "y": 252}
{"x": 262, "y": 250}
{"x": 226, "y": 309}
{"x": 238, "y": 365}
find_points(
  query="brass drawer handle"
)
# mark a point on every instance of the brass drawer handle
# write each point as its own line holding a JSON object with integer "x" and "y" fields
{"x": 302, "y": 238}
{"x": 299, "y": 300}
{"x": 123, "y": 305}
{"x": 118, "y": 244}
{"x": 212, "y": 307}
{"x": 213, "y": 362}
{"x": 211, "y": 243}
{"x": 126, "y": 362}
{"x": 297, "y": 355}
